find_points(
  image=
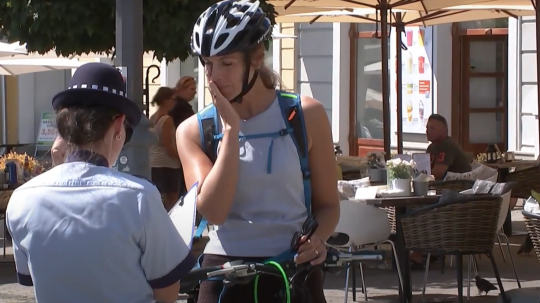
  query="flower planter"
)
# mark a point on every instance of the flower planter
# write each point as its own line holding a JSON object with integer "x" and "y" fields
{"x": 377, "y": 174}
{"x": 403, "y": 185}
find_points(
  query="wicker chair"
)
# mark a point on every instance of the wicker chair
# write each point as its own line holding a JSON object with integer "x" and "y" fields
{"x": 467, "y": 226}
{"x": 527, "y": 179}
{"x": 453, "y": 185}
{"x": 532, "y": 221}
{"x": 438, "y": 186}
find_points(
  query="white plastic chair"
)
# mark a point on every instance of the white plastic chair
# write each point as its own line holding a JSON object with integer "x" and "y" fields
{"x": 365, "y": 225}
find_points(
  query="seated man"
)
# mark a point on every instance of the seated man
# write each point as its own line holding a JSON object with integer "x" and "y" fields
{"x": 446, "y": 154}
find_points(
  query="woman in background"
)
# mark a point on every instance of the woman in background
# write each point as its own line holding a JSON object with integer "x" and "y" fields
{"x": 166, "y": 168}
{"x": 184, "y": 91}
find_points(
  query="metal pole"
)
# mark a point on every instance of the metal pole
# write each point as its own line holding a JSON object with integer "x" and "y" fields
{"x": 537, "y": 22}
{"x": 135, "y": 157}
{"x": 384, "y": 72}
{"x": 3, "y": 97}
{"x": 399, "y": 83}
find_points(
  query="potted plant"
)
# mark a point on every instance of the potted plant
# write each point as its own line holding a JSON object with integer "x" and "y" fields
{"x": 376, "y": 167}
{"x": 400, "y": 173}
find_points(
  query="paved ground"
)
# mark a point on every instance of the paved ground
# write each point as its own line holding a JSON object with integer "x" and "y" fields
{"x": 381, "y": 283}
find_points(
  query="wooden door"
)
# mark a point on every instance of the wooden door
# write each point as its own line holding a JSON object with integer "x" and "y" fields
{"x": 484, "y": 92}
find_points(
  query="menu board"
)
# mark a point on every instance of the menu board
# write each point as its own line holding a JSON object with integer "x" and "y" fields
{"x": 47, "y": 130}
{"x": 417, "y": 75}
{"x": 423, "y": 163}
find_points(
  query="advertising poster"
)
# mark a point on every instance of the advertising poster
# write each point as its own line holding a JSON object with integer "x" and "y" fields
{"x": 417, "y": 79}
{"x": 47, "y": 129}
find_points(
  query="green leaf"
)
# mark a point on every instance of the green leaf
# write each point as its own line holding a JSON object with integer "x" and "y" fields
{"x": 80, "y": 27}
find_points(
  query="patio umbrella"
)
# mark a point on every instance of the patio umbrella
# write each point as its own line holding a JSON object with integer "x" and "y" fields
{"x": 400, "y": 18}
{"x": 15, "y": 67}
{"x": 409, "y": 17}
{"x": 382, "y": 8}
{"x": 9, "y": 50}
{"x": 417, "y": 5}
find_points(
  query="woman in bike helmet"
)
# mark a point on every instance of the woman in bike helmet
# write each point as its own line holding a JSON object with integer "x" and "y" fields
{"x": 84, "y": 232}
{"x": 257, "y": 204}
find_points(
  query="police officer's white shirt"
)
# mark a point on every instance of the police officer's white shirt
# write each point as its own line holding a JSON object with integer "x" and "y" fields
{"x": 86, "y": 233}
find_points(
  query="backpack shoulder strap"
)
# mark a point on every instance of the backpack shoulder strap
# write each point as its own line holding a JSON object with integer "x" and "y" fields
{"x": 291, "y": 109}
{"x": 208, "y": 128}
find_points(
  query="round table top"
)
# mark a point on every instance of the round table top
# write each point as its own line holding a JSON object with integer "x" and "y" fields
{"x": 510, "y": 164}
{"x": 400, "y": 201}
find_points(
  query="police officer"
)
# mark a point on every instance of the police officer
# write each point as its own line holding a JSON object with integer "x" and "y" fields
{"x": 84, "y": 232}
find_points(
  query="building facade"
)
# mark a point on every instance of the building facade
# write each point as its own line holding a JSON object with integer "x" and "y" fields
{"x": 484, "y": 82}
{"x": 522, "y": 86}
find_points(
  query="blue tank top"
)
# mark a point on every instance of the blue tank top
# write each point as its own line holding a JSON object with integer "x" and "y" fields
{"x": 268, "y": 207}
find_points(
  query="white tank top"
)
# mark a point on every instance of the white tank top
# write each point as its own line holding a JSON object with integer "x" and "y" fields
{"x": 268, "y": 207}
{"x": 158, "y": 154}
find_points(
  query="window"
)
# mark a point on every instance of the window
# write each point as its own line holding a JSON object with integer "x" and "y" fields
{"x": 369, "y": 110}
{"x": 489, "y": 23}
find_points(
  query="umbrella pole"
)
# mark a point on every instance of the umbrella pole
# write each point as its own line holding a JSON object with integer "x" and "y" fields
{"x": 385, "y": 77}
{"x": 537, "y": 9}
{"x": 399, "y": 83}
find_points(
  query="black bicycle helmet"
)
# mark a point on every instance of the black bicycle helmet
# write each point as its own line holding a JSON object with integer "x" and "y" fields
{"x": 228, "y": 27}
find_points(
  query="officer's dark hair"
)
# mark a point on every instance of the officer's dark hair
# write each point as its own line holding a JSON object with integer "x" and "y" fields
{"x": 81, "y": 125}
{"x": 439, "y": 118}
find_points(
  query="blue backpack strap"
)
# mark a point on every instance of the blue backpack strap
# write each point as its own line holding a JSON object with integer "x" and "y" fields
{"x": 291, "y": 109}
{"x": 208, "y": 129}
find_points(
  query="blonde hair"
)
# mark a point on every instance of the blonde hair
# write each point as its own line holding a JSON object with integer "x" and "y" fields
{"x": 270, "y": 78}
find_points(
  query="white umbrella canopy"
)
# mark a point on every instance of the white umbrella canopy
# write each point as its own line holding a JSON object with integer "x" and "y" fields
{"x": 15, "y": 67}
{"x": 278, "y": 35}
{"x": 409, "y": 17}
{"x": 281, "y": 11}
{"x": 10, "y": 50}
{"x": 417, "y": 5}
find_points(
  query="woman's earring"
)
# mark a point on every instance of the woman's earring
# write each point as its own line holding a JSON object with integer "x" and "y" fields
{"x": 117, "y": 137}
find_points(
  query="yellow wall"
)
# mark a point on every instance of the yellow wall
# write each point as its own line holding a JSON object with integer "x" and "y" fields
{"x": 288, "y": 58}
{"x": 12, "y": 109}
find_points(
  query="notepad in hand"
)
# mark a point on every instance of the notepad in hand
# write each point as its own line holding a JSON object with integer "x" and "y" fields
{"x": 183, "y": 215}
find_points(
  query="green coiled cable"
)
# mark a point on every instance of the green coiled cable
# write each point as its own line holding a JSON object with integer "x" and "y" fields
{"x": 285, "y": 280}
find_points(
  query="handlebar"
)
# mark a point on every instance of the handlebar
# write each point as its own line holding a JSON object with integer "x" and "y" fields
{"x": 234, "y": 270}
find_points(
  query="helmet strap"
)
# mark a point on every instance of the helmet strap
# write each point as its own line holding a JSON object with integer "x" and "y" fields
{"x": 247, "y": 85}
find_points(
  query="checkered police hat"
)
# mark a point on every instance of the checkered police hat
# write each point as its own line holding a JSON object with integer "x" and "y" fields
{"x": 98, "y": 84}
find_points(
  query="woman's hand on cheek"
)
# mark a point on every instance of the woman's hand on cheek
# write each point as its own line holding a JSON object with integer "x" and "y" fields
{"x": 312, "y": 250}
{"x": 229, "y": 116}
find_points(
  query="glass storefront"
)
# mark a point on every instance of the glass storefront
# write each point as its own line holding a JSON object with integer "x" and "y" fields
{"x": 369, "y": 114}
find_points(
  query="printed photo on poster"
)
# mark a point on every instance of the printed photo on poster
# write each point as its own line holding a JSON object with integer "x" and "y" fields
{"x": 417, "y": 79}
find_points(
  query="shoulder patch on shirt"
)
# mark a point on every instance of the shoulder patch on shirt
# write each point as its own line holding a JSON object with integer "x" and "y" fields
{"x": 441, "y": 157}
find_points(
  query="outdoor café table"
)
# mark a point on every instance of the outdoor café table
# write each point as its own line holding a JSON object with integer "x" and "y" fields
{"x": 400, "y": 204}
{"x": 503, "y": 169}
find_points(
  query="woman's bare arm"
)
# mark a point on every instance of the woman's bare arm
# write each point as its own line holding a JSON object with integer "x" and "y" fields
{"x": 217, "y": 182}
{"x": 168, "y": 138}
{"x": 322, "y": 162}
